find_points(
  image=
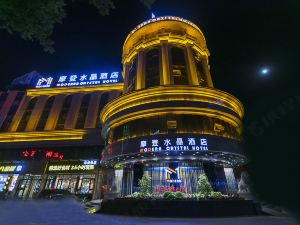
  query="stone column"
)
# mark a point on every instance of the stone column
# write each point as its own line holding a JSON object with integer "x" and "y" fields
{"x": 73, "y": 111}
{"x": 140, "y": 71}
{"x": 193, "y": 78}
{"x": 36, "y": 113}
{"x": 165, "y": 63}
{"x": 54, "y": 112}
{"x": 19, "y": 114}
{"x": 207, "y": 73}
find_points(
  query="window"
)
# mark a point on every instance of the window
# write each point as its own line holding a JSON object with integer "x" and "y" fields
{"x": 6, "y": 123}
{"x": 64, "y": 113}
{"x": 132, "y": 75}
{"x": 179, "y": 71}
{"x": 83, "y": 111}
{"x": 152, "y": 74}
{"x": 27, "y": 114}
{"x": 103, "y": 101}
{"x": 45, "y": 114}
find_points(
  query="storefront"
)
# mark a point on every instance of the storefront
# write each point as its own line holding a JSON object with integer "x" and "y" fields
{"x": 77, "y": 176}
{"x": 9, "y": 173}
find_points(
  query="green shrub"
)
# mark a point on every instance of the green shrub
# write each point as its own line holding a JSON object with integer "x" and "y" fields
{"x": 178, "y": 195}
{"x": 167, "y": 195}
{"x": 145, "y": 186}
{"x": 215, "y": 194}
{"x": 204, "y": 186}
{"x": 135, "y": 195}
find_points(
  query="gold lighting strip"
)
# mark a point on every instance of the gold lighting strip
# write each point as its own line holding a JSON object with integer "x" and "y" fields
{"x": 42, "y": 136}
{"x": 175, "y": 110}
{"x": 77, "y": 89}
{"x": 172, "y": 93}
{"x": 170, "y": 38}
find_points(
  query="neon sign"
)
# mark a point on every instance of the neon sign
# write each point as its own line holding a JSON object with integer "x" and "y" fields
{"x": 4, "y": 168}
{"x": 174, "y": 144}
{"x": 79, "y": 80}
{"x": 85, "y": 165}
{"x": 44, "y": 154}
{"x": 173, "y": 175}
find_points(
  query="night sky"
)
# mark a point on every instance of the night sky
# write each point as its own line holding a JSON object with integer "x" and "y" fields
{"x": 243, "y": 37}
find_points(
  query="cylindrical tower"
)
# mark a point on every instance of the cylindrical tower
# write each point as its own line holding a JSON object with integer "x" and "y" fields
{"x": 170, "y": 123}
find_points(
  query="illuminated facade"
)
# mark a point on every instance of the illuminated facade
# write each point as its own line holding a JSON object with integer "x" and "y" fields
{"x": 170, "y": 123}
{"x": 101, "y": 132}
{"x": 51, "y": 132}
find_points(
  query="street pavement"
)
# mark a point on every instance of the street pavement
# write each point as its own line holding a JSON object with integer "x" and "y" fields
{"x": 71, "y": 213}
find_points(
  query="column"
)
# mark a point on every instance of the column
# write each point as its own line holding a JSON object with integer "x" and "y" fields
{"x": 207, "y": 72}
{"x": 7, "y": 105}
{"x": 165, "y": 63}
{"x": 54, "y": 112}
{"x": 92, "y": 112}
{"x": 36, "y": 113}
{"x": 140, "y": 71}
{"x": 73, "y": 112}
{"x": 193, "y": 78}
{"x": 126, "y": 74}
{"x": 19, "y": 114}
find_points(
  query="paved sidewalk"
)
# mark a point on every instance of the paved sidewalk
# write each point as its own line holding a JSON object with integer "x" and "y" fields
{"x": 71, "y": 213}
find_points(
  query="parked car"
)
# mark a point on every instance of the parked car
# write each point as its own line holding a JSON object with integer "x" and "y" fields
{"x": 55, "y": 195}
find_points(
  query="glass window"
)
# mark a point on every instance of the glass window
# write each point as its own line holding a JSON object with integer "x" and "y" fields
{"x": 45, "y": 114}
{"x": 132, "y": 75}
{"x": 27, "y": 114}
{"x": 152, "y": 74}
{"x": 179, "y": 71}
{"x": 83, "y": 111}
{"x": 64, "y": 113}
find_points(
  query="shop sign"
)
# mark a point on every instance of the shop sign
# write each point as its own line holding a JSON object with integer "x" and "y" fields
{"x": 86, "y": 165}
{"x": 174, "y": 144}
{"x": 42, "y": 154}
{"x": 88, "y": 79}
{"x": 10, "y": 168}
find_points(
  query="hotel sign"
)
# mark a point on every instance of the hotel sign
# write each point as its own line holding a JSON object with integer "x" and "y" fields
{"x": 174, "y": 144}
{"x": 88, "y": 79}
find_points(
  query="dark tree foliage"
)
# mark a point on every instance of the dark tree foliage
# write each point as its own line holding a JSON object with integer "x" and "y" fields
{"x": 34, "y": 20}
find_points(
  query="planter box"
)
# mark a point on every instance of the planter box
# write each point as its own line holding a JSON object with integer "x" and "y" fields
{"x": 180, "y": 208}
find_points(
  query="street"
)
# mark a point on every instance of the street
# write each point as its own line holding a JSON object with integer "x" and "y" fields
{"x": 70, "y": 212}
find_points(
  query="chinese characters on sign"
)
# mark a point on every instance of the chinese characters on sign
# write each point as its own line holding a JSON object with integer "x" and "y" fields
{"x": 174, "y": 144}
{"x": 85, "y": 165}
{"x": 79, "y": 80}
{"x": 68, "y": 167}
{"x": 10, "y": 168}
{"x": 44, "y": 154}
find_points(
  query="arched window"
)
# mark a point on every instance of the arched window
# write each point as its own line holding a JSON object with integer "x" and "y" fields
{"x": 179, "y": 71}
{"x": 200, "y": 70}
{"x": 83, "y": 111}
{"x": 45, "y": 114}
{"x": 26, "y": 115}
{"x": 64, "y": 113}
{"x": 103, "y": 101}
{"x": 132, "y": 75}
{"x": 152, "y": 74}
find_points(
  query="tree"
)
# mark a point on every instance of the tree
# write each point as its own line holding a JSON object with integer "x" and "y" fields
{"x": 34, "y": 20}
{"x": 204, "y": 186}
{"x": 145, "y": 186}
